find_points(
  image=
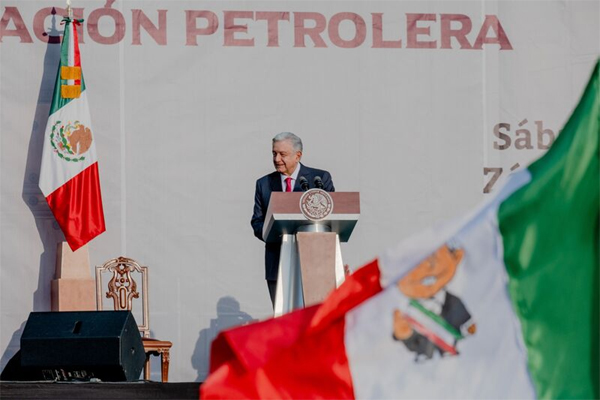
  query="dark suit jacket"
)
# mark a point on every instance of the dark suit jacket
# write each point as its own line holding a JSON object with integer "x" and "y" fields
{"x": 264, "y": 187}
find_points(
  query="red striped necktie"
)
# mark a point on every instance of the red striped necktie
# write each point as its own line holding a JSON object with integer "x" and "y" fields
{"x": 288, "y": 184}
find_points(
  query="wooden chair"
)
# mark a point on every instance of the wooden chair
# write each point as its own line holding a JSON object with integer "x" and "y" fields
{"x": 123, "y": 288}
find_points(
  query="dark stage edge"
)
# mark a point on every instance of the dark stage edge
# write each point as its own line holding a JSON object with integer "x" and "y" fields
{"x": 104, "y": 390}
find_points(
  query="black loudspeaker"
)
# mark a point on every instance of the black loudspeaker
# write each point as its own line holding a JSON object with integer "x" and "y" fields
{"x": 81, "y": 345}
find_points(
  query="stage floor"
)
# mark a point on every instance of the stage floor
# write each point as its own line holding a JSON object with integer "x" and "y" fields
{"x": 104, "y": 390}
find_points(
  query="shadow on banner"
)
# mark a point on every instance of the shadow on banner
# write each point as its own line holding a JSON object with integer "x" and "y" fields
{"x": 228, "y": 316}
{"x": 48, "y": 230}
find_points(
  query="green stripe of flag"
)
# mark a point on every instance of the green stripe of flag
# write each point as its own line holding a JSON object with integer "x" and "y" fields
{"x": 58, "y": 101}
{"x": 64, "y": 48}
{"x": 550, "y": 233}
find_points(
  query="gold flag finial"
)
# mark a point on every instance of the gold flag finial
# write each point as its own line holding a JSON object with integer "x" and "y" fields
{"x": 69, "y": 9}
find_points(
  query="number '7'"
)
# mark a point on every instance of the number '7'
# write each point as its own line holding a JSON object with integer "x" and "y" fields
{"x": 496, "y": 174}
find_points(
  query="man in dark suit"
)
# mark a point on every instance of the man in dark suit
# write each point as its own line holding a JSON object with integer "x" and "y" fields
{"x": 287, "y": 152}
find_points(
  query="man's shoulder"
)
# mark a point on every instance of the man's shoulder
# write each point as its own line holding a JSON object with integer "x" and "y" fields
{"x": 313, "y": 171}
{"x": 267, "y": 177}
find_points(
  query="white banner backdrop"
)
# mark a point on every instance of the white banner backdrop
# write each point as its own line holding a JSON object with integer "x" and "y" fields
{"x": 419, "y": 106}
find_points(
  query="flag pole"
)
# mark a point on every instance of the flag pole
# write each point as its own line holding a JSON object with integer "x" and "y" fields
{"x": 69, "y": 9}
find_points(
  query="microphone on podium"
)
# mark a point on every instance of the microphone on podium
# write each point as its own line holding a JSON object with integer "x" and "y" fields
{"x": 318, "y": 182}
{"x": 303, "y": 183}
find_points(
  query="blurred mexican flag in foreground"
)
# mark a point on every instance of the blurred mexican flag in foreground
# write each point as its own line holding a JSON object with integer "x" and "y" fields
{"x": 502, "y": 303}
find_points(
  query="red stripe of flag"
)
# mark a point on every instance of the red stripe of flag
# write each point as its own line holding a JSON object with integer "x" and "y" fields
{"x": 293, "y": 356}
{"x": 77, "y": 60}
{"x": 77, "y": 207}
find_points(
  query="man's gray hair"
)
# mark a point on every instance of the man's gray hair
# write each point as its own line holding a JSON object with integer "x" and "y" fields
{"x": 295, "y": 140}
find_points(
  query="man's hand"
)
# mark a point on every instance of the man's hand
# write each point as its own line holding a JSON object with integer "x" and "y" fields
{"x": 402, "y": 328}
{"x": 347, "y": 270}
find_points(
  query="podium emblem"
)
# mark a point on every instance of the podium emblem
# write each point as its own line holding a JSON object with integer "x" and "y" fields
{"x": 316, "y": 204}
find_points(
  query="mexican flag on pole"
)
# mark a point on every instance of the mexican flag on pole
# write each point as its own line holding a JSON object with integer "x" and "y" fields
{"x": 69, "y": 173}
{"x": 502, "y": 303}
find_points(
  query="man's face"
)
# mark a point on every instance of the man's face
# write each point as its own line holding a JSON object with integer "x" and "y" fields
{"x": 285, "y": 158}
{"x": 431, "y": 275}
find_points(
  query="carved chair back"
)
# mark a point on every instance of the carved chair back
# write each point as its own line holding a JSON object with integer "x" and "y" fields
{"x": 122, "y": 288}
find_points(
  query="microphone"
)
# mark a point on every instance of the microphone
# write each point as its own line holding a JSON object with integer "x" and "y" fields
{"x": 303, "y": 183}
{"x": 318, "y": 182}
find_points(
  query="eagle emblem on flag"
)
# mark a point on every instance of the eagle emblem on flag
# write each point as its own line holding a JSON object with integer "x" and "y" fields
{"x": 71, "y": 140}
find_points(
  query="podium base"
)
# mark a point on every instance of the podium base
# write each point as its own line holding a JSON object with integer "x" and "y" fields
{"x": 290, "y": 292}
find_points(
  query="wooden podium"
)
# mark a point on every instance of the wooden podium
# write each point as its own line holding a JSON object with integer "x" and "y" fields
{"x": 310, "y": 226}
